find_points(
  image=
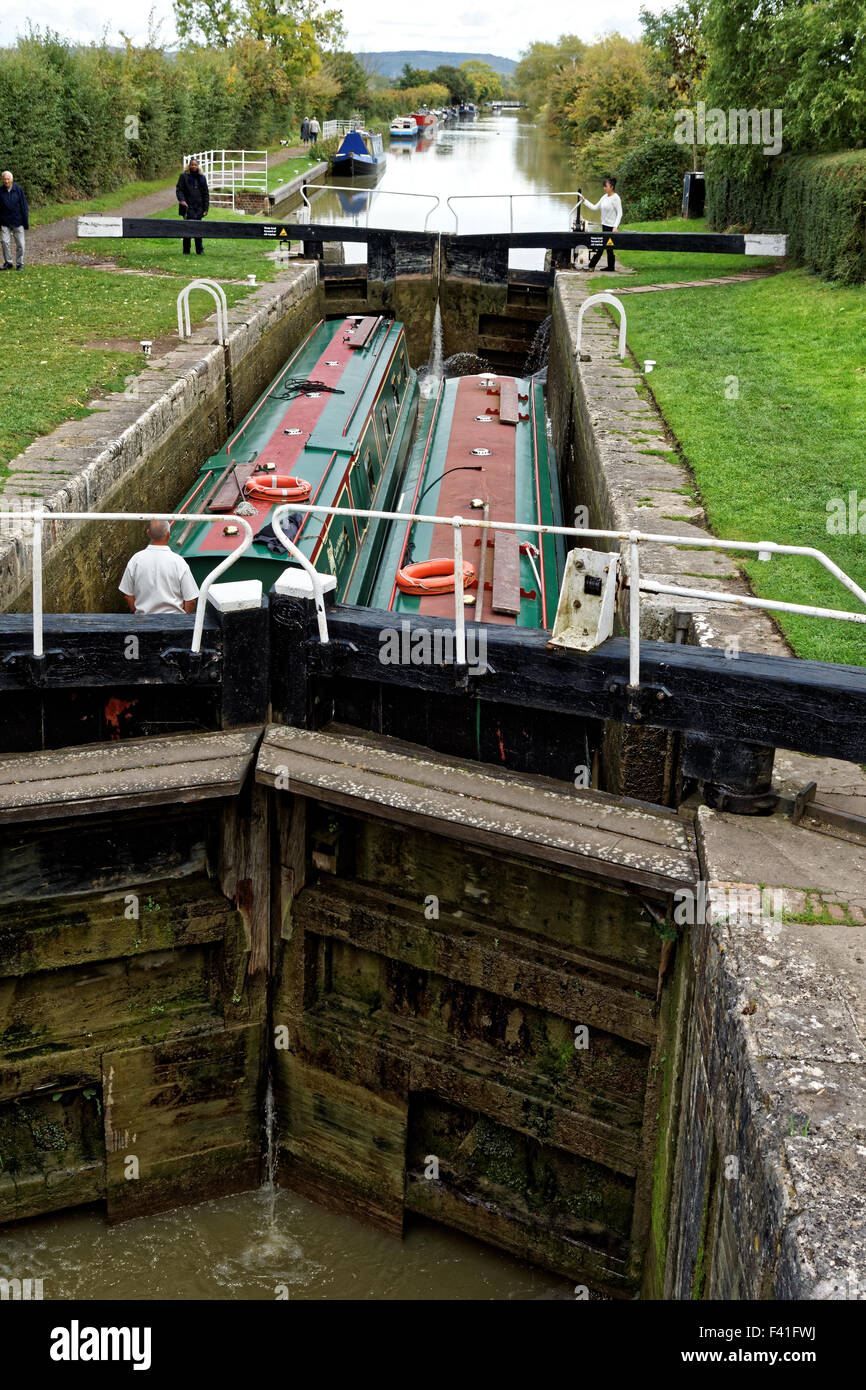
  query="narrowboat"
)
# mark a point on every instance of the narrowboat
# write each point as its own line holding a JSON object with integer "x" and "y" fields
{"x": 403, "y": 128}
{"x": 334, "y": 426}
{"x": 362, "y": 152}
{"x": 482, "y": 452}
{"x": 425, "y": 120}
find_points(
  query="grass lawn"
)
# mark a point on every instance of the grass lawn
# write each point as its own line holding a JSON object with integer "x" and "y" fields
{"x": 663, "y": 266}
{"x": 50, "y": 313}
{"x": 764, "y": 385}
{"x": 279, "y": 174}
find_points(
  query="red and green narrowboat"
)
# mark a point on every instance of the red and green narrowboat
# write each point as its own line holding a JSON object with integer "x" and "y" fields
{"x": 335, "y": 427}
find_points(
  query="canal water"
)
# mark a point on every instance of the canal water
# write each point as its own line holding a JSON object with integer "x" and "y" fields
{"x": 494, "y": 174}
{"x": 271, "y": 1244}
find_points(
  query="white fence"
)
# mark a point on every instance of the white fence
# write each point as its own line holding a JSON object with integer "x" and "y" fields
{"x": 331, "y": 128}
{"x": 228, "y": 171}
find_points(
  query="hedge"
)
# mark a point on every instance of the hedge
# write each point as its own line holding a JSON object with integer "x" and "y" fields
{"x": 650, "y": 180}
{"x": 76, "y": 122}
{"x": 818, "y": 200}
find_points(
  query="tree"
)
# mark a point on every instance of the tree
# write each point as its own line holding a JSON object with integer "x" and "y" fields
{"x": 412, "y": 77}
{"x": 807, "y": 60}
{"x": 485, "y": 80}
{"x": 345, "y": 69}
{"x": 540, "y": 62}
{"x": 678, "y": 47}
{"x": 297, "y": 29}
{"x": 606, "y": 85}
{"x": 459, "y": 85}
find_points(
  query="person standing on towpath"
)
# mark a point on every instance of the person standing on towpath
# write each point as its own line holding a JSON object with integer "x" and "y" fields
{"x": 305, "y": 131}
{"x": 14, "y": 220}
{"x": 610, "y": 207}
{"x": 314, "y": 130}
{"x": 157, "y": 580}
{"x": 193, "y": 197}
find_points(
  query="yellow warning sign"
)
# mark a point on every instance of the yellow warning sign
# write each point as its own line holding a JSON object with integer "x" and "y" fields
{"x": 283, "y": 231}
{"x": 609, "y": 242}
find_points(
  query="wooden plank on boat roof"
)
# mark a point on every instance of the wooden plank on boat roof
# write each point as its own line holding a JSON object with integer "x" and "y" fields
{"x": 226, "y": 498}
{"x": 362, "y": 332}
{"x": 619, "y": 845}
{"x": 506, "y": 573}
{"x": 125, "y": 775}
{"x": 509, "y": 407}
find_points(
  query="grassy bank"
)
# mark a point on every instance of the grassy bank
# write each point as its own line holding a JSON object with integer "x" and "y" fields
{"x": 52, "y": 315}
{"x": 764, "y": 385}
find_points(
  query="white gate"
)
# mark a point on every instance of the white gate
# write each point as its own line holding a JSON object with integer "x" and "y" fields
{"x": 229, "y": 171}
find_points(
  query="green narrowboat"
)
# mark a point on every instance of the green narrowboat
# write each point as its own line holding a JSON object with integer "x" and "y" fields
{"x": 335, "y": 427}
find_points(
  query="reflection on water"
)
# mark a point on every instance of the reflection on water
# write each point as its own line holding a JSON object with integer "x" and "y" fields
{"x": 255, "y": 1246}
{"x": 493, "y": 157}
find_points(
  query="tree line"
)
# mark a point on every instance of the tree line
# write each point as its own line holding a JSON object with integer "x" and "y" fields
{"x": 617, "y": 103}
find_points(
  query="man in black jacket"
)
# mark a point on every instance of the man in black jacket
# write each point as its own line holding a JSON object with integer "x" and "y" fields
{"x": 193, "y": 200}
{"x": 14, "y": 220}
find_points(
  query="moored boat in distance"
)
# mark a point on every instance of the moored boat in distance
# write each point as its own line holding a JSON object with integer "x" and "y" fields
{"x": 482, "y": 451}
{"x": 425, "y": 119}
{"x": 335, "y": 427}
{"x": 403, "y": 127}
{"x": 361, "y": 152}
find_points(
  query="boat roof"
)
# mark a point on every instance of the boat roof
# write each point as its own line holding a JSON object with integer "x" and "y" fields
{"x": 516, "y": 476}
{"x": 312, "y": 435}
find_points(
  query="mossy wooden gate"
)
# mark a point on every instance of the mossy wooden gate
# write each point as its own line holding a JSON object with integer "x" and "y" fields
{"x": 469, "y": 976}
{"x": 462, "y": 1016}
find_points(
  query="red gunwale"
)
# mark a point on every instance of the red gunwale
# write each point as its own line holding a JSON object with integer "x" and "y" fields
{"x": 539, "y": 540}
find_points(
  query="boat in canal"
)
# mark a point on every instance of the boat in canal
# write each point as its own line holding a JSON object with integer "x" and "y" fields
{"x": 334, "y": 426}
{"x": 425, "y": 119}
{"x": 482, "y": 451}
{"x": 403, "y": 128}
{"x": 362, "y": 152}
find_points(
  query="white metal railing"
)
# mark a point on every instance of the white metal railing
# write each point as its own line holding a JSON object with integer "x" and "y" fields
{"x": 466, "y": 197}
{"x": 38, "y": 516}
{"x": 590, "y": 303}
{"x": 332, "y": 128}
{"x": 228, "y": 171}
{"x": 216, "y": 290}
{"x": 630, "y": 542}
{"x": 369, "y": 193}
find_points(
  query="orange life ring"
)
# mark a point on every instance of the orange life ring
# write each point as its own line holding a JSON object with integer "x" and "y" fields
{"x": 269, "y": 487}
{"x": 433, "y": 577}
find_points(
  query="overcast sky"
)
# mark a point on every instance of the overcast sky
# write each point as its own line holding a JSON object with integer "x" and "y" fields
{"x": 504, "y": 28}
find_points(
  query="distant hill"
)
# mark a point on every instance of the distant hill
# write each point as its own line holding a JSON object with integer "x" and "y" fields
{"x": 392, "y": 64}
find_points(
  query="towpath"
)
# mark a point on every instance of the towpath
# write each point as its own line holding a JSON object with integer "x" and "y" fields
{"x": 50, "y": 244}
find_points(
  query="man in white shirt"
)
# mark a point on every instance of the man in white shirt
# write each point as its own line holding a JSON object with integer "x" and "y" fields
{"x": 610, "y": 208}
{"x": 157, "y": 580}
